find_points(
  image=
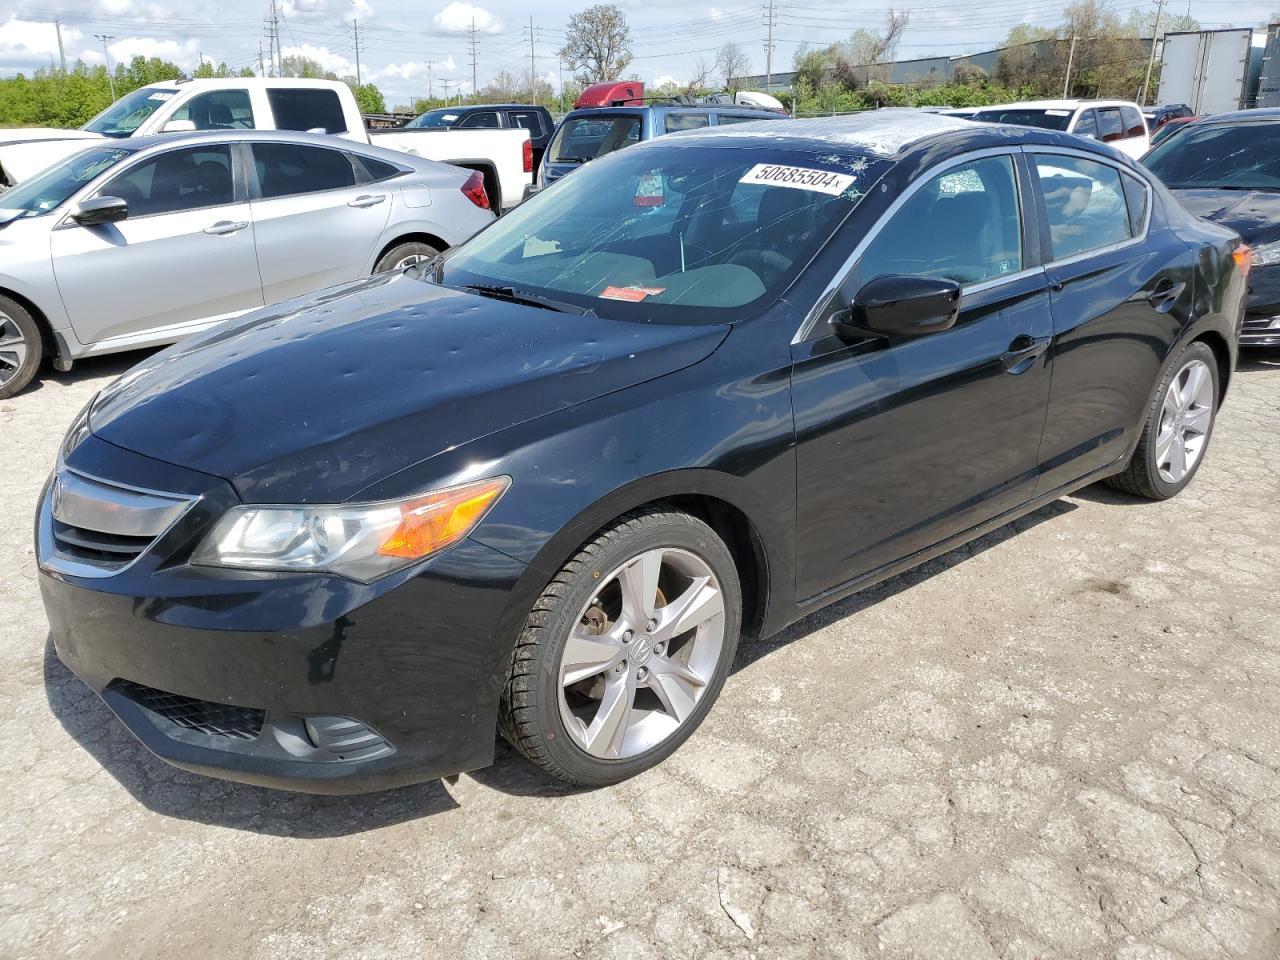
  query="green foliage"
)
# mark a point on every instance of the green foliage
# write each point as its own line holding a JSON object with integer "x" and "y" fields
{"x": 834, "y": 98}
{"x": 368, "y": 97}
{"x": 51, "y": 98}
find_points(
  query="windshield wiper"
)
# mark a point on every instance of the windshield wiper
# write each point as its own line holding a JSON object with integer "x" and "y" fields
{"x": 512, "y": 295}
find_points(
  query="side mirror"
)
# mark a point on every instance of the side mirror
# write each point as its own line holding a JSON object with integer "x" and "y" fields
{"x": 178, "y": 126}
{"x": 90, "y": 213}
{"x": 898, "y": 307}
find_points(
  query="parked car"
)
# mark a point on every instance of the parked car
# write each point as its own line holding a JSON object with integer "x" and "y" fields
{"x": 488, "y": 116}
{"x": 700, "y": 389}
{"x": 1226, "y": 168}
{"x": 1170, "y": 127}
{"x": 143, "y": 241}
{"x": 1115, "y": 122}
{"x": 503, "y": 157}
{"x": 592, "y": 132}
{"x": 1157, "y": 117}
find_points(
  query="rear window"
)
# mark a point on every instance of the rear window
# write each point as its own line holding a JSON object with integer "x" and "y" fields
{"x": 580, "y": 139}
{"x": 687, "y": 121}
{"x": 302, "y": 109}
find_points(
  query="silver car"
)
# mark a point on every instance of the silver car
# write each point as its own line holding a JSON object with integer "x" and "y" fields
{"x": 137, "y": 243}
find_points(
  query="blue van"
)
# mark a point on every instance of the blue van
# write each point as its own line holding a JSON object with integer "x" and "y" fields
{"x": 592, "y": 132}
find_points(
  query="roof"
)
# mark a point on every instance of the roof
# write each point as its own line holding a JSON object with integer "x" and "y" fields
{"x": 884, "y": 133}
{"x": 220, "y": 82}
{"x": 1262, "y": 113}
{"x": 196, "y": 137}
{"x": 1056, "y": 104}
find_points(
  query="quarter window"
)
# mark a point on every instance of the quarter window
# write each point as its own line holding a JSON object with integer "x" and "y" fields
{"x": 378, "y": 169}
{"x": 687, "y": 121}
{"x": 1085, "y": 202}
{"x": 306, "y": 109}
{"x": 288, "y": 169}
{"x": 1137, "y": 196}
{"x": 218, "y": 110}
{"x": 962, "y": 225}
{"x": 178, "y": 180}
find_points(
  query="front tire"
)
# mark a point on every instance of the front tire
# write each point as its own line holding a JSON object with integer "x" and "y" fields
{"x": 625, "y": 651}
{"x": 1179, "y": 424}
{"x": 405, "y": 255}
{"x": 21, "y": 347}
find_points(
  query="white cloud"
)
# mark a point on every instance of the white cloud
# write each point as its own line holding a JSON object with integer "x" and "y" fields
{"x": 457, "y": 17}
{"x": 185, "y": 54}
{"x": 33, "y": 42}
{"x": 330, "y": 61}
{"x": 663, "y": 80}
{"x": 715, "y": 13}
{"x": 326, "y": 11}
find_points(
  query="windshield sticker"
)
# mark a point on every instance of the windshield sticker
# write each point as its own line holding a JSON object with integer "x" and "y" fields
{"x": 161, "y": 96}
{"x": 801, "y": 178}
{"x": 632, "y": 294}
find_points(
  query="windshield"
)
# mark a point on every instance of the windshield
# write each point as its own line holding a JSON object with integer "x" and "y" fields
{"x": 127, "y": 114}
{"x": 1244, "y": 156}
{"x": 584, "y": 138}
{"x": 55, "y": 185}
{"x": 435, "y": 120}
{"x": 1046, "y": 119}
{"x": 677, "y": 232}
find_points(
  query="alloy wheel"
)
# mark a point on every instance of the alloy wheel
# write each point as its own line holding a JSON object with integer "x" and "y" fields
{"x": 13, "y": 348}
{"x": 412, "y": 260}
{"x": 1185, "y": 418}
{"x": 641, "y": 653}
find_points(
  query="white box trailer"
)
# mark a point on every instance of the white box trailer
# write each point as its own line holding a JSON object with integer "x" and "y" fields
{"x": 1208, "y": 70}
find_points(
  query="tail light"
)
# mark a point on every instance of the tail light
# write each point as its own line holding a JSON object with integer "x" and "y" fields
{"x": 1243, "y": 256}
{"x": 528, "y": 156}
{"x": 473, "y": 190}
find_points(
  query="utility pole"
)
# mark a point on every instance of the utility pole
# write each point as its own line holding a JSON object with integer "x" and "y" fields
{"x": 431, "y": 93}
{"x": 1151, "y": 61}
{"x": 1071, "y": 56}
{"x": 355, "y": 30}
{"x": 62, "y": 57}
{"x": 276, "y": 59}
{"x": 533, "y": 66}
{"x": 262, "y": 67}
{"x": 474, "y": 46}
{"x": 105, "y": 37}
{"x": 768, "y": 47}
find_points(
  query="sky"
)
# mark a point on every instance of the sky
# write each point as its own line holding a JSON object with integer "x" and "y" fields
{"x": 408, "y": 48}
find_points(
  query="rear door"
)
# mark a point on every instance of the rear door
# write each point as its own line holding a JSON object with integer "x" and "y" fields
{"x": 315, "y": 225}
{"x": 902, "y": 444}
{"x": 1120, "y": 296}
{"x": 183, "y": 257}
{"x": 581, "y": 139}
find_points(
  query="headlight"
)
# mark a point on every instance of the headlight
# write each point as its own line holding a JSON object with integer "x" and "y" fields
{"x": 361, "y": 541}
{"x": 1267, "y": 254}
{"x": 77, "y": 433}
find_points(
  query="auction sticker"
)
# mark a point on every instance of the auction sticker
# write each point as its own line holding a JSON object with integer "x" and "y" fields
{"x": 802, "y": 178}
{"x": 633, "y": 294}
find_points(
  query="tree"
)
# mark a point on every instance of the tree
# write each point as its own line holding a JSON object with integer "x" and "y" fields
{"x": 698, "y": 78}
{"x": 862, "y": 57}
{"x": 1142, "y": 23}
{"x": 733, "y": 63}
{"x": 368, "y": 97}
{"x": 305, "y": 67}
{"x": 597, "y": 44}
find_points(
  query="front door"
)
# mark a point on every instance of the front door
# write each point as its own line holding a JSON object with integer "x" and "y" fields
{"x": 315, "y": 225}
{"x": 902, "y": 444}
{"x": 184, "y": 257}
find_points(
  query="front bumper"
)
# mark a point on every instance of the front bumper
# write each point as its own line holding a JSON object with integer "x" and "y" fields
{"x": 1261, "y": 329}
{"x": 311, "y": 683}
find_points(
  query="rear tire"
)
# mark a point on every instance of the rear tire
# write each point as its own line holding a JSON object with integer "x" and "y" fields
{"x": 405, "y": 255}
{"x": 1175, "y": 437}
{"x": 21, "y": 347}
{"x": 607, "y": 681}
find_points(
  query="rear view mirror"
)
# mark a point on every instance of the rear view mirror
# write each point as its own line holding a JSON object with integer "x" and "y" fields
{"x": 90, "y": 213}
{"x": 897, "y": 306}
{"x": 178, "y": 126}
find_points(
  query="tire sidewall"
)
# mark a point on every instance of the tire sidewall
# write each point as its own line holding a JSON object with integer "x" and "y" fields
{"x": 1193, "y": 351}
{"x": 389, "y": 259}
{"x": 672, "y": 531}
{"x": 35, "y": 347}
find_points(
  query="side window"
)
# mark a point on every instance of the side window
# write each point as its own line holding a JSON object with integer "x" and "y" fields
{"x": 1085, "y": 201}
{"x": 528, "y": 120}
{"x": 178, "y": 180}
{"x": 962, "y": 225}
{"x": 483, "y": 118}
{"x": 726, "y": 118}
{"x": 301, "y": 108}
{"x": 288, "y": 169}
{"x": 1134, "y": 125}
{"x": 218, "y": 110}
{"x": 1110, "y": 126}
{"x": 1086, "y": 125}
{"x": 1137, "y": 196}
{"x": 377, "y": 169}
{"x": 686, "y": 121}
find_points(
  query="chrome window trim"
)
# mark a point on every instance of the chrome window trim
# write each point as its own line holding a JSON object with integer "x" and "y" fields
{"x": 811, "y": 319}
{"x": 1123, "y": 172}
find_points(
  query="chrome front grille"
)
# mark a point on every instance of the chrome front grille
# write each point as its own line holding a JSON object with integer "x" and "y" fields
{"x": 96, "y": 528}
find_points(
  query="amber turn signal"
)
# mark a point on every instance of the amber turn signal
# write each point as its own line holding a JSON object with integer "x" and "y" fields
{"x": 1243, "y": 256}
{"x": 442, "y": 518}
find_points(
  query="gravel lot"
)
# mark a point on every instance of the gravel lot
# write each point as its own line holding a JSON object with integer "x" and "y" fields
{"x": 1061, "y": 741}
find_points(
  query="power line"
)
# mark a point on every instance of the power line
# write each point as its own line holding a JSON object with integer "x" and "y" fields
{"x": 104, "y": 37}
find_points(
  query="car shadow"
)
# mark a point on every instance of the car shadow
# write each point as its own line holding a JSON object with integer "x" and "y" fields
{"x": 1255, "y": 360}
{"x": 112, "y": 365}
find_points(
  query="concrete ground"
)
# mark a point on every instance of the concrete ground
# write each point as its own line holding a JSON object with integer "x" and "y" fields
{"x": 1061, "y": 741}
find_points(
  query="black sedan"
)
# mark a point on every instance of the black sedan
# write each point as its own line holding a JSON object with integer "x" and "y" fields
{"x": 694, "y": 392}
{"x": 1226, "y": 168}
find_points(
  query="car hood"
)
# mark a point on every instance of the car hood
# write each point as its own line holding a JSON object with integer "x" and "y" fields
{"x": 1254, "y": 214}
{"x": 24, "y": 153}
{"x": 314, "y": 399}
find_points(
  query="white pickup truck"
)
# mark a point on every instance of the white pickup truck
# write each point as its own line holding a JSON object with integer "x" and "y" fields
{"x": 253, "y": 103}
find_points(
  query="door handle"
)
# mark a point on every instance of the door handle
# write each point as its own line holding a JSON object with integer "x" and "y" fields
{"x": 224, "y": 227}
{"x": 1022, "y": 353}
{"x": 1165, "y": 295}
{"x": 367, "y": 200}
